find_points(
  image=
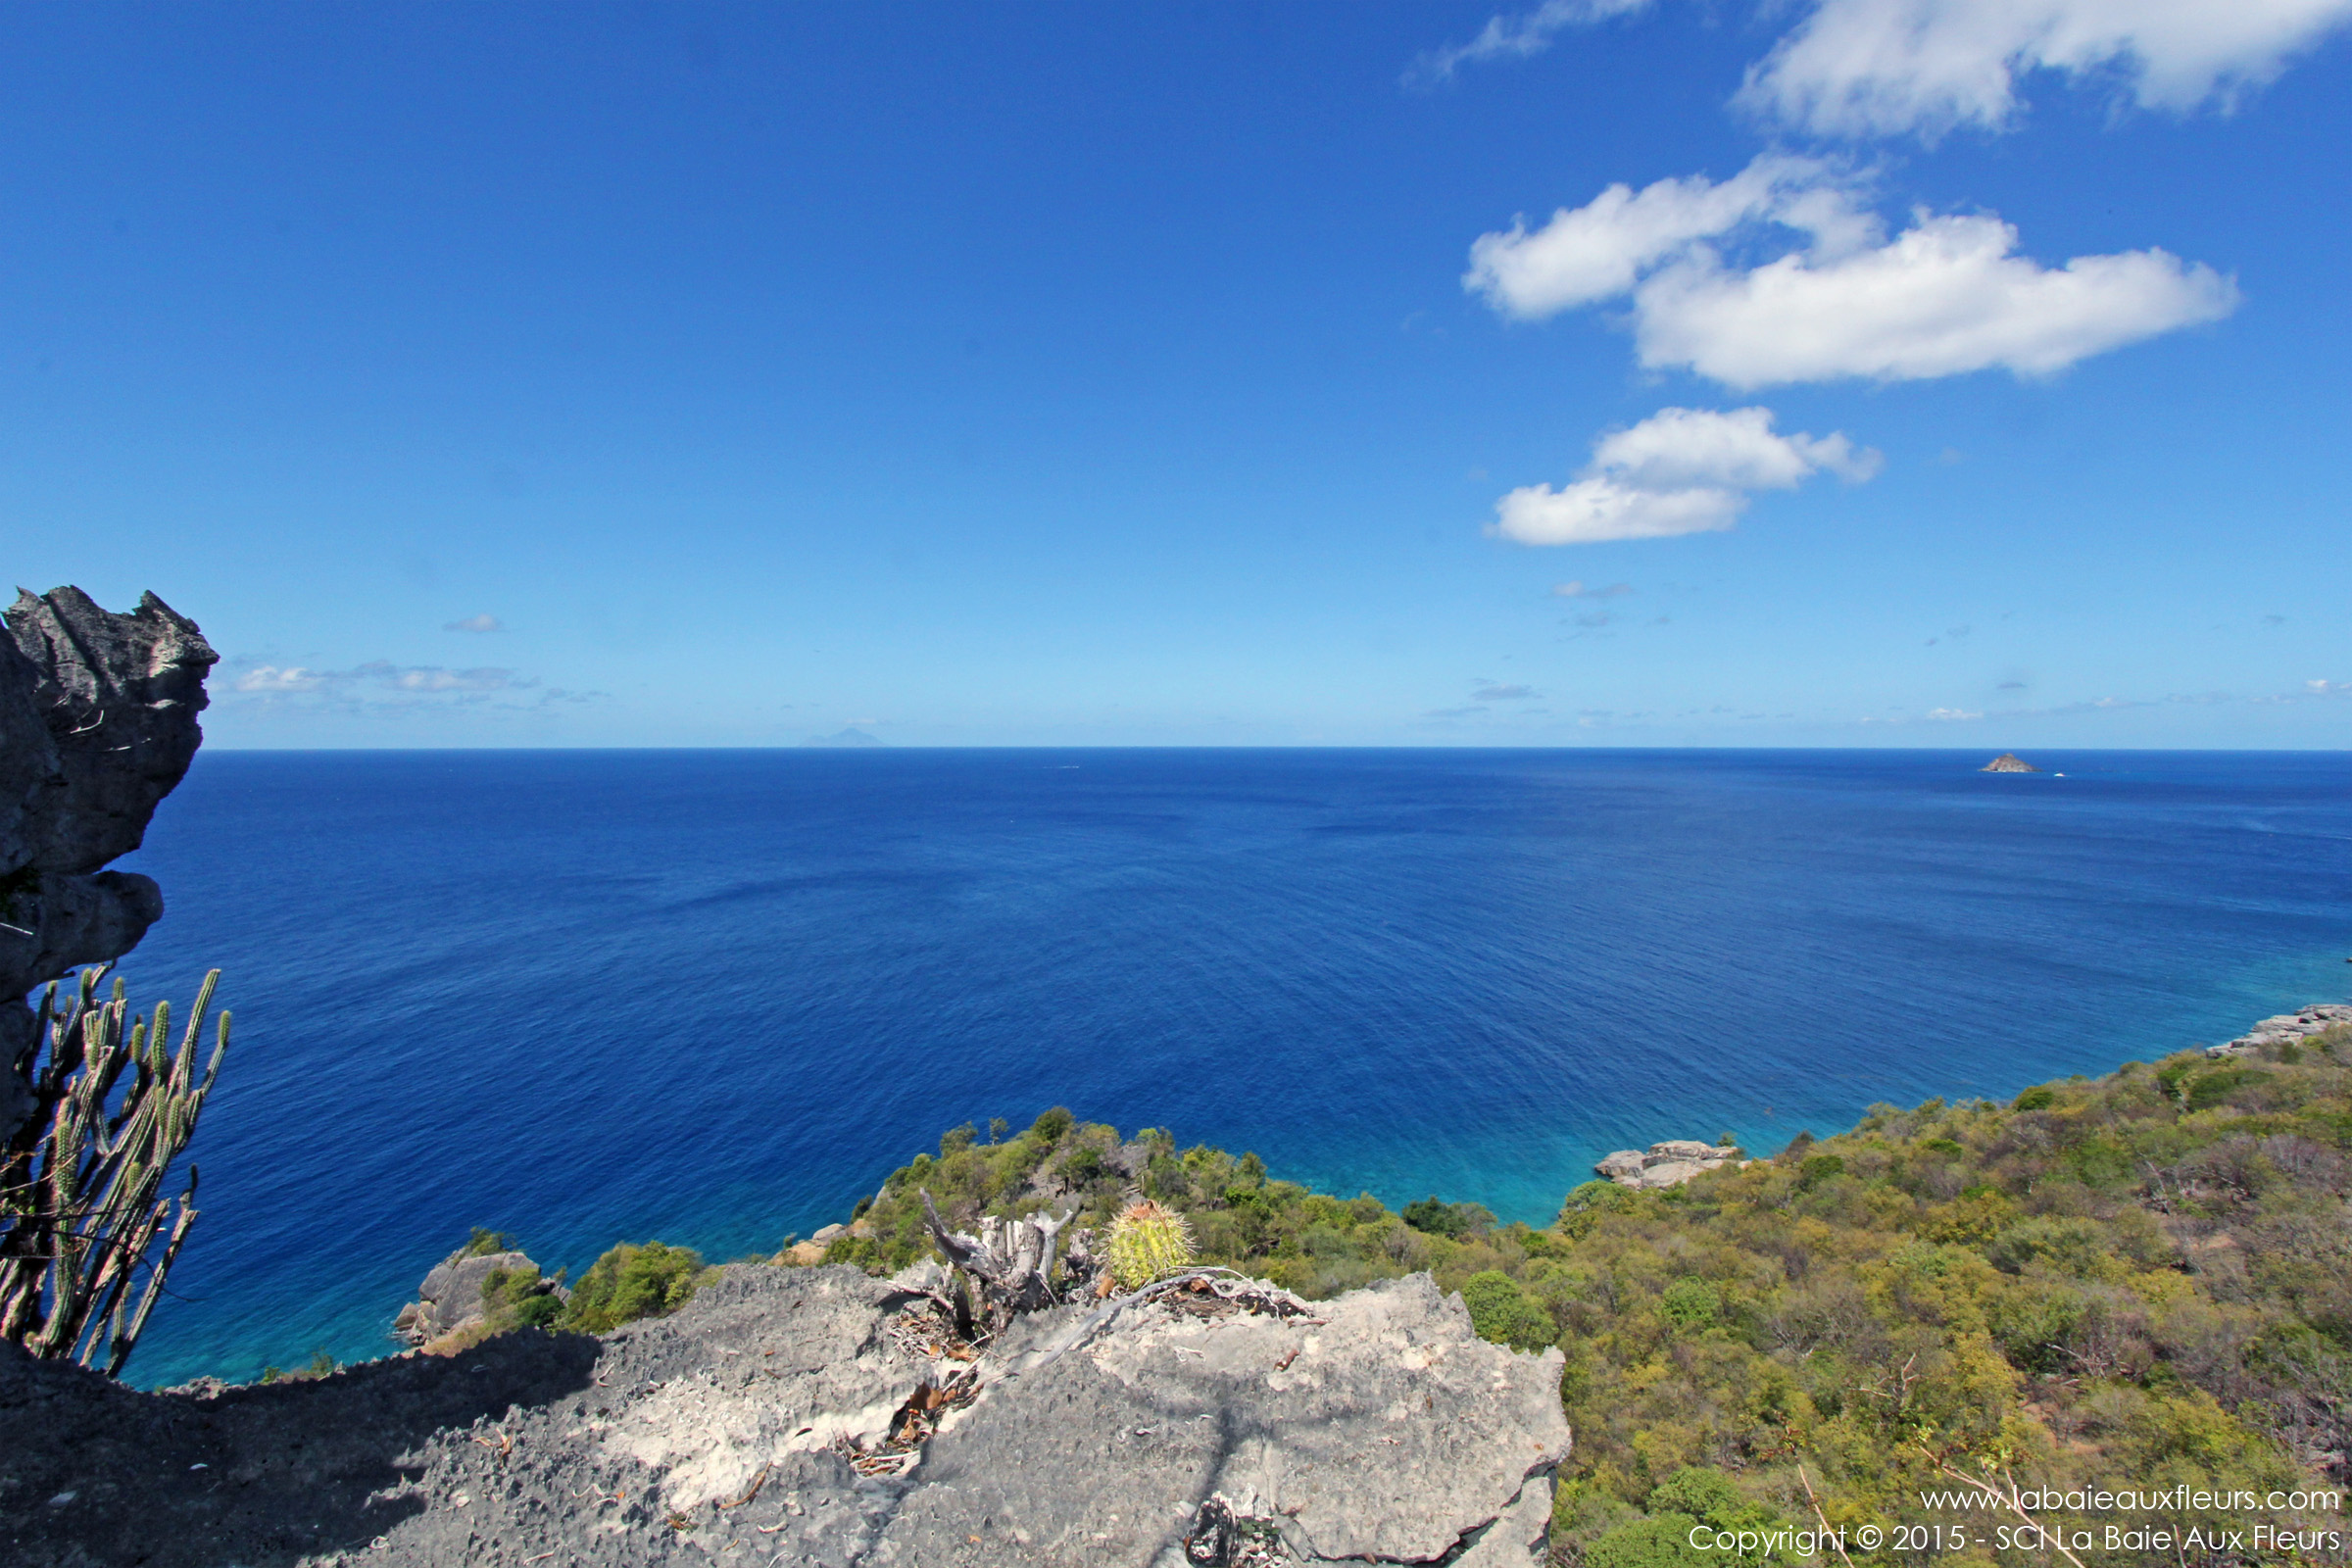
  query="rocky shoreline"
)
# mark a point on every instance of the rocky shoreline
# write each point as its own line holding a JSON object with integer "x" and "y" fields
{"x": 2286, "y": 1029}
{"x": 1670, "y": 1163}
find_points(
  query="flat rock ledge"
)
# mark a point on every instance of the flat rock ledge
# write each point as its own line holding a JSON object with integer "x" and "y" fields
{"x": 1668, "y": 1164}
{"x": 1377, "y": 1428}
{"x": 2287, "y": 1028}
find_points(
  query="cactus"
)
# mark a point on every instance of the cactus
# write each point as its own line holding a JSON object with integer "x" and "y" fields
{"x": 78, "y": 1210}
{"x": 1146, "y": 1242}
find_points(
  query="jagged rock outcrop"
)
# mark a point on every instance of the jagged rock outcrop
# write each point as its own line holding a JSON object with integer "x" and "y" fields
{"x": 2008, "y": 762}
{"x": 97, "y": 725}
{"x": 1667, "y": 1165}
{"x": 753, "y": 1425}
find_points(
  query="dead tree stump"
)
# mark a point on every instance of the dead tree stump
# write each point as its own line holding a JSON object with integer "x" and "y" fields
{"x": 1010, "y": 1260}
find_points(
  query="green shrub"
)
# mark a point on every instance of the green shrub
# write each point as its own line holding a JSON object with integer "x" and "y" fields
{"x": 1440, "y": 1218}
{"x": 631, "y": 1282}
{"x": 2216, "y": 1087}
{"x": 1660, "y": 1540}
{"x": 483, "y": 1243}
{"x": 1819, "y": 1168}
{"x": 1503, "y": 1314}
{"x": 2042, "y": 1097}
{"x": 1691, "y": 1302}
{"x": 1051, "y": 1124}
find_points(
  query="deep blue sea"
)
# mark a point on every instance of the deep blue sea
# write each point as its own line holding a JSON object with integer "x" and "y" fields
{"x": 713, "y": 996}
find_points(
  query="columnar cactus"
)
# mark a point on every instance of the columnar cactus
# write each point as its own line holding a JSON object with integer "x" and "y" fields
{"x": 78, "y": 1211}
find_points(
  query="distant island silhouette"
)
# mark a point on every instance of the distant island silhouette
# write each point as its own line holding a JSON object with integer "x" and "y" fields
{"x": 2006, "y": 763}
{"x": 845, "y": 737}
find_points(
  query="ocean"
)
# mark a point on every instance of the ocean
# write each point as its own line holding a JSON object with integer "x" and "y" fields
{"x": 713, "y": 996}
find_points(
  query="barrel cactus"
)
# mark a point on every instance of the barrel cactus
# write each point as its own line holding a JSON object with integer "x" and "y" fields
{"x": 1147, "y": 1243}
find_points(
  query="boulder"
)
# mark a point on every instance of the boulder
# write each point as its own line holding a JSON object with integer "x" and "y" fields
{"x": 1622, "y": 1163}
{"x": 451, "y": 1297}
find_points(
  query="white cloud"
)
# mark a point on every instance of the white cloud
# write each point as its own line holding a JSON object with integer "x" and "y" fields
{"x": 380, "y": 674}
{"x": 1683, "y": 448}
{"x": 1577, "y": 590}
{"x": 1947, "y": 296}
{"x": 1947, "y": 714}
{"x": 1870, "y": 68}
{"x": 1517, "y": 37}
{"x": 1681, "y": 470}
{"x": 1490, "y": 691}
{"x": 271, "y": 678}
{"x": 485, "y": 622}
{"x": 1595, "y": 251}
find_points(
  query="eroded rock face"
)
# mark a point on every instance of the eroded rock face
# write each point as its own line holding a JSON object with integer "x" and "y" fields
{"x": 97, "y": 725}
{"x": 1379, "y": 1428}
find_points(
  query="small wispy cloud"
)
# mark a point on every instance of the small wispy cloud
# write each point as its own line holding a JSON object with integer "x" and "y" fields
{"x": 482, "y": 623}
{"x": 1453, "y": 712}
{"x": 1517, "y": 37}
{"x": 1950, "y": 715}
{"x": 1490, "y": 691}
{"x": 383, "y": 686}
{"x": 1577, "y": 590}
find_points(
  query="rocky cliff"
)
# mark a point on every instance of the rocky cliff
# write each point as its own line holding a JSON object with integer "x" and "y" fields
{"x": 97, "y": 725}
{"x": 821, "y": 1416}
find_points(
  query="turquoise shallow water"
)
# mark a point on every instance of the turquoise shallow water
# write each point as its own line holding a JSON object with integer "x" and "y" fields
{"x": 716, "y": 996}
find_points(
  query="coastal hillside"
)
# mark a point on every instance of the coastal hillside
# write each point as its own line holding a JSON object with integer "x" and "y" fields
{"x": 2145, "y": 1278}
{"x": 2143, "y": 1281}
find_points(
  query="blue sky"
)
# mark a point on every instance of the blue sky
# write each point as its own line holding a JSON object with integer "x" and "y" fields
{"x": 1202, "y": 375}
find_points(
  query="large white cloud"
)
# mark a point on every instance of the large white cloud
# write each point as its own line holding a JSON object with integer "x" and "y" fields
{"x": 1681, "y": 470}
{"x": 1866, "y": 67}
{"x": 1947, "y": 296}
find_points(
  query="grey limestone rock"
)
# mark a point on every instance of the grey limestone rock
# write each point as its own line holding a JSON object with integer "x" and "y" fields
{"x": 1378, "y": 1429}
{"x": 97, "y": 725}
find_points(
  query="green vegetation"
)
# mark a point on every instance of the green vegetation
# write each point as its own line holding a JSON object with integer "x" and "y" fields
{"x": 2142, "y": 1280}
{"x": 628, "y": 1283}
{"x": 517, "y": 1298}
{"x": 483, "y": 1243}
